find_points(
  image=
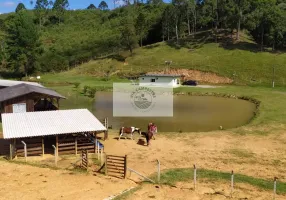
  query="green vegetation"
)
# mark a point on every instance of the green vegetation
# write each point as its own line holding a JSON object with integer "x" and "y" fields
{"x": 172, "y": 176}
{"x": 71, "y": 38}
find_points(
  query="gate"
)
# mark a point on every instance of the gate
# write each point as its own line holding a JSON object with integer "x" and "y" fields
{"x": 116, "y": 166}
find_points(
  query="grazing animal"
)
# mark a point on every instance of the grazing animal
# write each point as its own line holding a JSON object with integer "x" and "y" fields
{"x": 128, "y": 130}
{"x": 168, "y": 62}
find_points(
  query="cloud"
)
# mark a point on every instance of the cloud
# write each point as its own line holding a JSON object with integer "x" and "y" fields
{"x": 8, "y": 4}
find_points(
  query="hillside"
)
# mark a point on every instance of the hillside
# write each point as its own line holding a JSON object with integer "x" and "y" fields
{"x": 241, "y": 62}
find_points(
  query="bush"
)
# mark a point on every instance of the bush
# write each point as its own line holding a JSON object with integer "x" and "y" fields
{"x": 85, "y": 89}
{"x": 91, "y": 92}
{"x": 76, "y": 84}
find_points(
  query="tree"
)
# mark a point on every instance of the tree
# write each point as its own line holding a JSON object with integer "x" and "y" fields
{"x": 41, "y": 9}
{"x": 129, "y": 38}
{"x": 141, "y": 26}
{"x": 23, "y": 44}
{"x": 179, "y": 12}
{"x": 91, "y": 7}
{"x": 261, "y": 21}
{"x": 167, "y": 21}
{"x": 60, "y": 6}
{"x": 103, "y": 5}
{"x": 20, "y": 7}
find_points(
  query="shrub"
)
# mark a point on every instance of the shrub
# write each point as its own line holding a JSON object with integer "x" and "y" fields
{"x": 76, "y": 84}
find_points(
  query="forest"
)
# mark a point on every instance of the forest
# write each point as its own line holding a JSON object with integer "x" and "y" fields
{"x": 52, "y": 38}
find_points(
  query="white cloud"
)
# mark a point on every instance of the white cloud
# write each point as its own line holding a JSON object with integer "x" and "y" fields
{"x": 8, "y": 4}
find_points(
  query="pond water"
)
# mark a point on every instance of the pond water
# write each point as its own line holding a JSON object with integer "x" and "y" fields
{"x": 191, "y": 113}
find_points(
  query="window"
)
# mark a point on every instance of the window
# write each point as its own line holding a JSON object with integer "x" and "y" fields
{"x": 19, "y": 108}
{"x": 153, "y": 80}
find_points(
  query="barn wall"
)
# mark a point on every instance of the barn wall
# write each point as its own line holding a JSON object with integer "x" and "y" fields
{"x": 28, "y": 99}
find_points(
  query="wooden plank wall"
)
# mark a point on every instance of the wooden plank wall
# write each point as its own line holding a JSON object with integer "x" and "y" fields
{"x": 67, "y": 144}
{"x": 28, "y": 99}
{"x": 34, "y": 146}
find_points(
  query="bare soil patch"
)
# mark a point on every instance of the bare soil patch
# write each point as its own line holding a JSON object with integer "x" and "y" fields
{"x": 252, "y": 155}
{"x": 201, "y": 77}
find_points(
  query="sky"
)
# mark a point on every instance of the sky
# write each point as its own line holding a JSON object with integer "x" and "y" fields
{"x": 7, "y": 6}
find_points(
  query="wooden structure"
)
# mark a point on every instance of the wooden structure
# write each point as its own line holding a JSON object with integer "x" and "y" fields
{"x": 116, "y": 166}
{"x": 84, "y": 157}
{"x": 28, "y": 98}
{"x": 69, "y": 131}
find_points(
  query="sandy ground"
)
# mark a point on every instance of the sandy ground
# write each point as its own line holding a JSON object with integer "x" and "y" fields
{"x": 31, "y": 183}
{"x": 253, "y": 155}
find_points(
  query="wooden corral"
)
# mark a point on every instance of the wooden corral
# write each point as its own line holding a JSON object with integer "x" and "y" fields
{"x": 66, "y": 144}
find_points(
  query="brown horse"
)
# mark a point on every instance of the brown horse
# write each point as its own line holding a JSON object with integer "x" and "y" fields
{"x": 128, "y": 130}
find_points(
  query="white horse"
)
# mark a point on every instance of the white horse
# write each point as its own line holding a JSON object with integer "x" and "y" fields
{"x": 128, "y": 130}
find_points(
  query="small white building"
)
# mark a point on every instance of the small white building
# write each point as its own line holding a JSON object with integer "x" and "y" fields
{"x": 160, "y": 80}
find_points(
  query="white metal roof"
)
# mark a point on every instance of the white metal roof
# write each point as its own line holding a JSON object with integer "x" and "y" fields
{"x": 31, "y": 124}
{"x": 8, "y": 83}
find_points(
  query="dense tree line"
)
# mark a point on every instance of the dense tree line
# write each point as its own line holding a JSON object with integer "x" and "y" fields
{"x": 53, "y": 38}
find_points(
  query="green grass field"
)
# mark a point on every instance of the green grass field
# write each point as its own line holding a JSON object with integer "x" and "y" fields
{"x": 171, "y": 176}
{"x": 241, "y": 62}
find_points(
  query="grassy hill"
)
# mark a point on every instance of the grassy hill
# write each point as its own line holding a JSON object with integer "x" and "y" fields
{"x": 242, "y": 62}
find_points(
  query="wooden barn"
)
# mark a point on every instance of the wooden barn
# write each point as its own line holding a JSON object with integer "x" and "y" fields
{"x": 28, "y": 98}
{"x": 69, "y": 131}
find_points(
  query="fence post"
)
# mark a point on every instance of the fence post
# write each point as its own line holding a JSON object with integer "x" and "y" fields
{"x": 231, "y": 184}
{"x": 105, "y": 164}
{"x": 25, "y": 150}
{"x": 274, "y": 190}
{"x": 101, "y": 156}
{"x": 98, "y": 146}
{"x": 195, "y": 177}
{"x": 159, "y": 172}
{"x": 56, "y": 155}
{"x": 125, "y": 166}
{"x": 75, "y": 145}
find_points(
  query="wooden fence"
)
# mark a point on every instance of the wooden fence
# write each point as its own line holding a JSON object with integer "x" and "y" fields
{"x": 34, "y": 147}
{"x": 116, "y": 166}
{"x": 73, "y": 145}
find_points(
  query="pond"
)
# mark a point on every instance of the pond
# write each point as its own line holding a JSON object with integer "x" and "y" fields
{"x": 191, "y": 113}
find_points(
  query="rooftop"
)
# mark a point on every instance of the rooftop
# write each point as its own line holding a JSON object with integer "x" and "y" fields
{"x": 161, "y": 75}
{"x": 23, "y": 89}
{"x": 32, "y": 124}
{"x": 8, "y": 83}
